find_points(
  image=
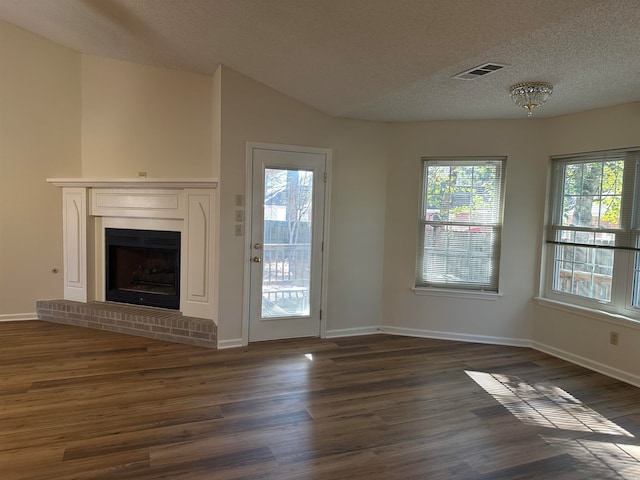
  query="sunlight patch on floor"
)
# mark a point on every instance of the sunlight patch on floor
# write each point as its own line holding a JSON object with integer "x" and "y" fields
{"x": 610, "y": 457}
{"x": 544, "y": 405}
{"x": 605, "y": 448}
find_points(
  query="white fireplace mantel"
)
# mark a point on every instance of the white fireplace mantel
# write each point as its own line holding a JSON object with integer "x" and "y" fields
{"x": 137, "y": 182}
{"x": 187, "y": 205}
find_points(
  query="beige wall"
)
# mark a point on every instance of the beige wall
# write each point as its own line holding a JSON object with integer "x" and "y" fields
{"x": 256, "y": 113}
{"x": 138, "y": 118}
{"x": 70, "y": 115}
{"x": 216, "y": 121}
{"x": 250, "y": 112}
{"x": 358, "y": 204}
{"x": 39, "y": 138}
{"x": 510, "y": 316}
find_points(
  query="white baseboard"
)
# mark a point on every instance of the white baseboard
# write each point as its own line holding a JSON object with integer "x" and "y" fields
{"x": 590, "y": 364}
{"x": 461, "y": 337}
{"x": 17, "y": 317}
{"x": 517, "y": 342}
{"x": 414, "y": 332}
{"x": 232, "y": 343}
{"x": 351, "y": 332}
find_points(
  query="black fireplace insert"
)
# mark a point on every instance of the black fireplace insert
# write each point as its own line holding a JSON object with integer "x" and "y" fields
{"x": 143, "y": 267}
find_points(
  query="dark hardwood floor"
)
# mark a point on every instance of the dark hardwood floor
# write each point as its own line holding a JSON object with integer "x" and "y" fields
{"x": 85, "y": 404}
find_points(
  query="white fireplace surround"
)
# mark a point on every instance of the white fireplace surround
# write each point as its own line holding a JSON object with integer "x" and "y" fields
{"x": 188, "y": 206}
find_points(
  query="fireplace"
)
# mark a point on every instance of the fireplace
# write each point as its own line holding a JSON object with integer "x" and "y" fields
{"x": 143, "y": 267}
{"x": 184, "y": 205}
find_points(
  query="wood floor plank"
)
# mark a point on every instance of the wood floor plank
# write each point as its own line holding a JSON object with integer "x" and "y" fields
{"x": 85, "y": 404}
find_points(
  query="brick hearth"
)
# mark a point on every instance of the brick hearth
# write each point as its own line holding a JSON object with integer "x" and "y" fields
{"x": 157, "y": 323}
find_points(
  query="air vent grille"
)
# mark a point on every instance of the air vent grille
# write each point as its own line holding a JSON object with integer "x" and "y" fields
{"x": 479, "y": 71}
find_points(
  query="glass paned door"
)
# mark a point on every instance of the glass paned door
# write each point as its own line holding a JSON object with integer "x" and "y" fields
{"x": 286, "y": 243}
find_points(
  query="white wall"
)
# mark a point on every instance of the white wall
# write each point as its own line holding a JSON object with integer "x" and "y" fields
{"x": 509, "y": 318}
{"x": 579, "y": 337}
{"x": 39, "y": 138}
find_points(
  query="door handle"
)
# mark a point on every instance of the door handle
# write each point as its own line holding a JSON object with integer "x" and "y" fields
{"x": 256, "y": 259}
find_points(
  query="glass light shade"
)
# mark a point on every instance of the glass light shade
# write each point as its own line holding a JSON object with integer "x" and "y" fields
{"x": 529, "y": 95}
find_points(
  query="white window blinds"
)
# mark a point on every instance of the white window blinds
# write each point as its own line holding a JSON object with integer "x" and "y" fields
{"x": 460, "y": 223}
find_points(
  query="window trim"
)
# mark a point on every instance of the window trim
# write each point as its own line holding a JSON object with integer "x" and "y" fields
{"x": 468, "y": 290}
{"x": 457, "y": 293}
{"x": 625, "y": 254}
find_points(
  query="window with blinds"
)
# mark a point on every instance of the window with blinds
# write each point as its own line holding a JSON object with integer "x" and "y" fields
{"x": 593, "y": 247}
{"x": 460, "y": 223}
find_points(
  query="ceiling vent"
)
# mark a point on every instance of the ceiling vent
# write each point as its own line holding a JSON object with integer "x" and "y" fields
{"x": 479, "y": 71}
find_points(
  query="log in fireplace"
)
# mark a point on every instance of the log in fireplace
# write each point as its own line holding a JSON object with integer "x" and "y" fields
{"x": 143, "y": 267}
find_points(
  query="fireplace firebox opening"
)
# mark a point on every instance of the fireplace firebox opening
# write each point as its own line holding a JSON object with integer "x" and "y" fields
{"x": 143, "y": 267}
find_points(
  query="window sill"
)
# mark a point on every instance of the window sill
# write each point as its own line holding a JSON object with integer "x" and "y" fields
{"x": 443, "y": 292}
{"x": 600, "y": 315}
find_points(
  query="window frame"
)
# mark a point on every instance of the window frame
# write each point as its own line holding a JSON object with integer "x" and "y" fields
{"x": 626, "y": 251}
{"x": 470, "y": 288}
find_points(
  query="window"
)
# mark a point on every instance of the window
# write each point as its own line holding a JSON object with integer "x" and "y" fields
{"x": 460, "y": 223}
{"x": 593, "y": 238}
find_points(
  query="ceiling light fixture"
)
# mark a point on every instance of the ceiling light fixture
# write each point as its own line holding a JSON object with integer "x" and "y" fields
{"x": 529, "y": 95}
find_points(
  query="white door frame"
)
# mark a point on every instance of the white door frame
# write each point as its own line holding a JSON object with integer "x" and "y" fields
{"x": 248, "y": 202}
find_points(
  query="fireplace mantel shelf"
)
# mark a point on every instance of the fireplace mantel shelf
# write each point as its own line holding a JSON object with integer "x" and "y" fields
{"x": 136, "y": 182}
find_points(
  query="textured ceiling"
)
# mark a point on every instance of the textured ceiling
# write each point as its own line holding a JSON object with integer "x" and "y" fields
{"x": 372, "y": 59}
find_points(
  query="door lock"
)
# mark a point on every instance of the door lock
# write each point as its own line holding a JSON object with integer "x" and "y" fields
{"x": 256, "y": 259}
{"x": 257, "y": 246}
